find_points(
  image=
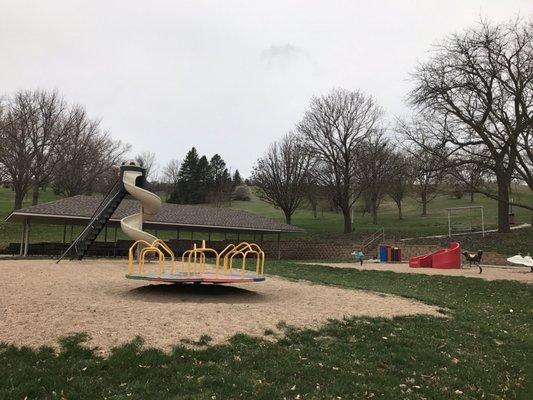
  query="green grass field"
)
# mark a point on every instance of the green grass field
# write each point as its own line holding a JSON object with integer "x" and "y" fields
{"x": 326, "y": 225}
{"x": 413, "y": 224}
{"x": 483, "y": 349}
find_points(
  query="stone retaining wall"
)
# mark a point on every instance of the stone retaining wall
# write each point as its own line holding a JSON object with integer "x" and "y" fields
{"x": 287, "y": 250}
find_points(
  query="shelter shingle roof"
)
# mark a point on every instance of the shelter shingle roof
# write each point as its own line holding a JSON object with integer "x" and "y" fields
{"x": 171, "y": 216}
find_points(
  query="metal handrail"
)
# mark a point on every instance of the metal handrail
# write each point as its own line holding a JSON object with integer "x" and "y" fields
{"x": 375, "y": 236}
{"x": 109, "y": 197}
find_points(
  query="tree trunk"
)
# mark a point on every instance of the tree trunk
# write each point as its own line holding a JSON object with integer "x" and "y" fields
{"x": 472, "y": 196}
{"x": 347, "y": 220}
{"x": 19, "y": 196}
{"x": 314, "y": 210}
{"x": 287, "y": 217}
{"x": 374, "y": 213}
{"x": 35, "y": 196}
{"x": 503, "y": 204}
{"x": 424, "y": 204}
{"x": 400, "y": 216}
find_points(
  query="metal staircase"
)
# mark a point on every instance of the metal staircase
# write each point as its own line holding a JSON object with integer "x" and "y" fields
{"x": 79, "y": 247}
{"x": 379, "y": 234}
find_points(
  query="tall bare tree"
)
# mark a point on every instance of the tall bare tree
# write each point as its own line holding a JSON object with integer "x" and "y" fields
{"x": 376, "y": 159}
{"x": 427, "y": 161}
{"x": 281, "y": 174}
{"x": 48, "y": 131}
{"x": 333, "y": 127}
{"x": 148, "y": 161}
{"x": 87, "y": 156}
{"x": 170, "y": 175}
{"x": 472, "y": 177}
{"x": 16, "y": 147}
{"x": 400, "y": 180}
{"x": 479, "y": 84}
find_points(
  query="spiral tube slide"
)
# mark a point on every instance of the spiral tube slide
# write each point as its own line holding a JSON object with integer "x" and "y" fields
{"x": 150, "y": 205}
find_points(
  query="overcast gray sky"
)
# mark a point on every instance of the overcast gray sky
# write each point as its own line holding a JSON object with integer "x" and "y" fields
{"x": 226, "y": 76}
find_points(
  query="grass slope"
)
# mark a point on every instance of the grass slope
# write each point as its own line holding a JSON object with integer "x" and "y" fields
{"x": 413, "y": 223}
{"x": 327, "y": 224}
{"x": 483, "y": 350}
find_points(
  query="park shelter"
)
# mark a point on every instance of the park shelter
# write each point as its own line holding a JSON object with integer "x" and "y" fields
{"x": 179, "y": 218}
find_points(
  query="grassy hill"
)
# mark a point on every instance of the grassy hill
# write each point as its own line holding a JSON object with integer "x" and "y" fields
{"x": 327, "y": 224}
{"x": 413, "y": 223}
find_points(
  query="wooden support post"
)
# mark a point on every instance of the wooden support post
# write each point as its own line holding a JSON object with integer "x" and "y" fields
{"x": 177, "y": 234}
{"x": 27, "y": 238}
{"x": 209, "y": 236}
{"x": 238, "y": 236}
{"x": 105, "y": 234}
{"x": 64, "y": 233}
{"x": 22, "y": 237}
{"x": 261, "y": 239}
{"x": 115, "y": 244}
{"x": 279, "y": 245}
{"x": 225, "y": 236}
{"x": 71, "y": 232}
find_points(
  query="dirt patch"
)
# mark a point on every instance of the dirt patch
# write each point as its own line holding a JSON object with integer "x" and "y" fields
{"x": 490, "y": 273}
{"x": 41, "y": 301}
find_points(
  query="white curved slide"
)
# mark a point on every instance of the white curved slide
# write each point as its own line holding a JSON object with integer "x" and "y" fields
{"x": 150, "y": 204}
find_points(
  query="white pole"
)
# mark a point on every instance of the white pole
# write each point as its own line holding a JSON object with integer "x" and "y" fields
{"x": 27, "y": 239}
{"x": 482, "y": 223}
{"x": 449, "y": 224}
{"x": 22, "y": 237}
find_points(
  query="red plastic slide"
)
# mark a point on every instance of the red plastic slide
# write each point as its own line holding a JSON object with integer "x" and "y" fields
{"x": 443, "y": 258}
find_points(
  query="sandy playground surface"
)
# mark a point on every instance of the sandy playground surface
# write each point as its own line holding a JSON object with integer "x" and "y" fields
{"x": 521, "y": 274}
{"x": 41, "y": 301}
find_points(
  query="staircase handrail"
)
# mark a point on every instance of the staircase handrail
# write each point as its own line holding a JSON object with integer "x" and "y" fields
{"x": 107, "y": 200}
{"x": 376, "y": 235}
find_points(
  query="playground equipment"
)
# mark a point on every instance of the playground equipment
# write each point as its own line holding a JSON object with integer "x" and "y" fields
{"x": 474, "y": 259}
{"x": 448, "y": 258}
{"x": 466, "y": 217}
{"x": 193, "y": 266}
{"x": 389, "y": 253}
{"x": 519, "y": 260}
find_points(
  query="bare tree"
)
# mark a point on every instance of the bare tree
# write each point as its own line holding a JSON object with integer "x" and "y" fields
{"x": 48, "y": 131}
{"x": 400, "y": 180}
{"x": 333, "y": 127}
{"x": 281, "y": 174}
{"x": 472, "y": 177}
{"x": 148, "y": 161}
{"x": 427, "y": 161}
{"x": 171, "y": 175}
{"x": 87, "y": 156}
{"x": 16, "y": 147}
{"x": 479, "y": 86}
{"x": 374, "y": 169}
{"x": 313, "y": 193}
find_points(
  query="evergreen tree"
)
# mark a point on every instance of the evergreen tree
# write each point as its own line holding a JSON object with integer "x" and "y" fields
{"x": 220, "y": 184}
{"x": 237, "y": 180}
{"x": 202, "y": 181}
{"x": 186, "y": 188}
